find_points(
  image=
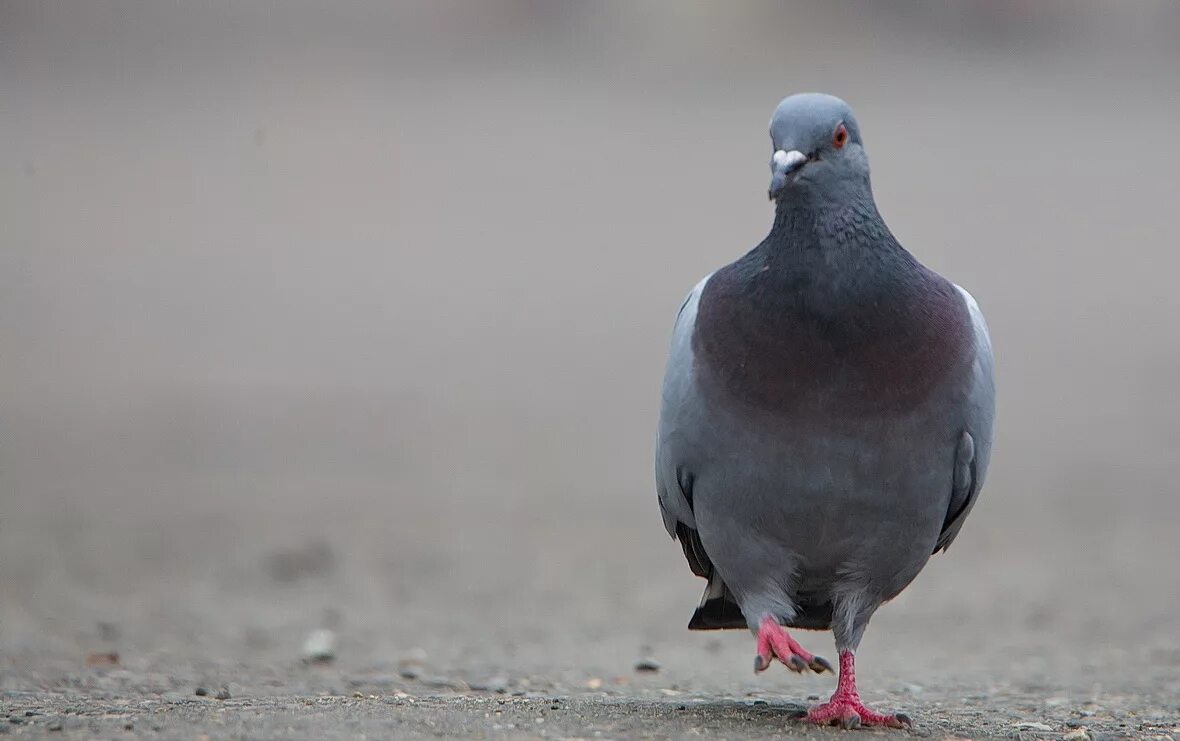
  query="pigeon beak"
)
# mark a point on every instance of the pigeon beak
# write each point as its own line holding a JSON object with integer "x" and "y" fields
{"x": 782, "y": 165}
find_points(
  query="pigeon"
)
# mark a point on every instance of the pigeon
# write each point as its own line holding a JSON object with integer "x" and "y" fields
{"x": 826, "y": 415}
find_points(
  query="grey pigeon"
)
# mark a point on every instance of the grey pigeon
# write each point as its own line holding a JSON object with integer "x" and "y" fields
{"x": 827, "y": 410}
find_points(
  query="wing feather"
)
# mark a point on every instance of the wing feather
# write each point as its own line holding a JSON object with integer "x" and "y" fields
{"x": 974, "y": 448}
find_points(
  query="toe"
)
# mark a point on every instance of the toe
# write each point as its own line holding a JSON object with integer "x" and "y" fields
{"x": 903, "y": 721}
{"x": 761, "y": 663}
{"x": 796, "y": 664}
{"x": 819, "y": 665}
{"x": 850, "y": 721}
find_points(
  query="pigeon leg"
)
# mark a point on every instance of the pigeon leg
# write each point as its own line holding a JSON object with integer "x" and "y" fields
{"x": 774, "y": 642}
{"x": 846, "y": 709}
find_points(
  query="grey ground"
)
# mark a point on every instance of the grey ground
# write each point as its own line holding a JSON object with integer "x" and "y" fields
{"x": 355, "y": 321}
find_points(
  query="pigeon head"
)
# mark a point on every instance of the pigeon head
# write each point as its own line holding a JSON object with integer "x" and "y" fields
{"x": 818, "y": 153}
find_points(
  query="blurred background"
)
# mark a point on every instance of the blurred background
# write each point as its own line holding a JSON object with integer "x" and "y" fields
{"x": 353, "y": 315}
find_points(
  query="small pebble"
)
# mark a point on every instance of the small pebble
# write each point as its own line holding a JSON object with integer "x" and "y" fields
{"x": 1032, "y": 726}
{"x": 593, "y": 683}
{"x": 498, "y": 684}
{"x": 55, "y": 725}
{"x": 648, "y": 665}
{"x": 201, "y": 692}
{"x": 1078, "y": 735}
{"x": 320, "y": 646}
{"x": 222, "y": 694}
{"x": 410, "y": 672}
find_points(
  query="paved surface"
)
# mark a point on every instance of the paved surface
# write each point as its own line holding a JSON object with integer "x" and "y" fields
{"x": 290, "y": 346}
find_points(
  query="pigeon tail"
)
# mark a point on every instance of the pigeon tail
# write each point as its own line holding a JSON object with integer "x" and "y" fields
{"x": 718, "y": 609}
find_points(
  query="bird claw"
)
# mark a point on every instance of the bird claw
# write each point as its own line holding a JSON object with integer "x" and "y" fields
{"x": 845, "y": 707}
{"x": 775, "y": 643}
{"x": 849, "y": 721}
{"x": 819, "y": 665}
{"x": 850, "y": 714}
{"x": 796, "y": 664}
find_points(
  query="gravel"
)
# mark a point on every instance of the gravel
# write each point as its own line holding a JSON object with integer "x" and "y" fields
{"x": 463, "y": 714}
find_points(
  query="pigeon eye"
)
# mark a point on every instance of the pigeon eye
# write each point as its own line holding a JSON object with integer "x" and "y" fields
{"x": 840, "y": 138}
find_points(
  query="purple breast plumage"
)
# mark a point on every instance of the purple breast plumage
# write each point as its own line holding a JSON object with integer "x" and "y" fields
{"x": 840, "y": 342}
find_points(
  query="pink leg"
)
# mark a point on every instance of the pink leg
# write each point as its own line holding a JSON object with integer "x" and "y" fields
{"x": 775, "y": 643}
{"x": 845, "y": 707}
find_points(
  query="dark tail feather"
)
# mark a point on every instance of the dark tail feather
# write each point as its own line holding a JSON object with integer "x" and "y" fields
{"x": 718, "y": 610}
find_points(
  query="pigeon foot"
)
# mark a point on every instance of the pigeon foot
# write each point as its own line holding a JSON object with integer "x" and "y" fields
{"x": 775, "y": 643}
{"x": 850, "y": 713}
{"x": 846, "y": 709}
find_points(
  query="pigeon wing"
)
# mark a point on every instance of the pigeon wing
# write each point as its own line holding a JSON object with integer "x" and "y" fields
{"x": 673, "y": 437}
{"x": 676, "y": 443}
{"x": 974, "y": 446}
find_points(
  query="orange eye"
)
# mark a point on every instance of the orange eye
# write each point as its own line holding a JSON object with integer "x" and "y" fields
{"x": 840, "y": 138}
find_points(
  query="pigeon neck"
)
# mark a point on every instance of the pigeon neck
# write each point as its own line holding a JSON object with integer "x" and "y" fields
{"x": 827, "y": 223}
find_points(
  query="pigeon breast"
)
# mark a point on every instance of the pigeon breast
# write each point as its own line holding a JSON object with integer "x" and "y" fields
{"x": 847, "y": 332}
